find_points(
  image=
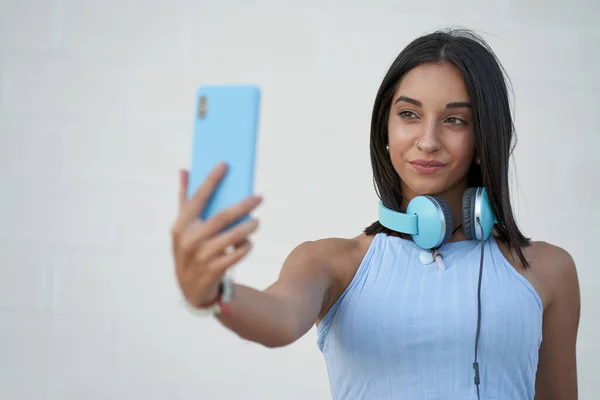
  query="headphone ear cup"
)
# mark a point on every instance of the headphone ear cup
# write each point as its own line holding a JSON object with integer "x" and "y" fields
{"x": 449, "y": 221}
{"x": 468, "y": 213}
{"x": 434, "y": 221}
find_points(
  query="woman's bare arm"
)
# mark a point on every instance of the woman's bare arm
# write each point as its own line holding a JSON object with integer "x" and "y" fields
{"x": 288, "y": 308}
{"x": 557, "y": 367}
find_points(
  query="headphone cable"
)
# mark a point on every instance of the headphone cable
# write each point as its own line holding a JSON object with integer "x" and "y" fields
{"x": 476, "y": 378}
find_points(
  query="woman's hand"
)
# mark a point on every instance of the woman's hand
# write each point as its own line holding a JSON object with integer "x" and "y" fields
{"x": 201, "y": 249}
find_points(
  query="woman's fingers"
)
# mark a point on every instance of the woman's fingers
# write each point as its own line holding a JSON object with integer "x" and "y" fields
{"x": 231, "y": 238}
{"x": 201, "y": 231}
{"x": 194, "y": 207}
{"x": 183, "y": 187}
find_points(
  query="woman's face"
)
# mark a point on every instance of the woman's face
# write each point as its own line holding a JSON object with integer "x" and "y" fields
{"x": 430, "y": 131}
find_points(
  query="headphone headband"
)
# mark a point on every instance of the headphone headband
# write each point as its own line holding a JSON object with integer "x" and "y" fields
{"x": 397, "y": 221}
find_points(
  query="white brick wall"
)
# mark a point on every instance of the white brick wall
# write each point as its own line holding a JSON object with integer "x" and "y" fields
{"x": 96, "y": 103}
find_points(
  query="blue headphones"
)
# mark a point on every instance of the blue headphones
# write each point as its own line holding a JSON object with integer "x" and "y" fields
{"x": 428, "y": 219}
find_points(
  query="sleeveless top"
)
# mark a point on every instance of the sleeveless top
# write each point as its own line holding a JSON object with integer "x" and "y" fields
{"x": 405, "y": 330}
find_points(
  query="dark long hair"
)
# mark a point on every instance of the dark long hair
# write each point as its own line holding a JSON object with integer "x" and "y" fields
{"x": 492, "y": 120}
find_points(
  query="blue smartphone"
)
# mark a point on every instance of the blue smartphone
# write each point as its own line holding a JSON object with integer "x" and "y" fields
{"x": 225, "y": 130}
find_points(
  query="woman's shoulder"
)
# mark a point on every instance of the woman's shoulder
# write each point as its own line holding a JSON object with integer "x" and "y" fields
{"x": 553, "y": 256}
{"x": 551, "y": 269}
{"x": 340, "y": 257}
{"x": 335, "y": 250}
{"x": 556, "y": 267}
{"x": 550, "y": 261}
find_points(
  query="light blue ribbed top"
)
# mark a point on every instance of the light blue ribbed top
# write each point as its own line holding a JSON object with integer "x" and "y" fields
{"x": 404, "y": 330}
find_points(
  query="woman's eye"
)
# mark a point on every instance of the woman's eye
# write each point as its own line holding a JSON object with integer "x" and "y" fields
{"x": 407, "y": 115}
{"x": 456, "y": 121}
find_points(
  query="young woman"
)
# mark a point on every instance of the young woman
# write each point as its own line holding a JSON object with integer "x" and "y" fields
{"x": 477, "y": 313}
